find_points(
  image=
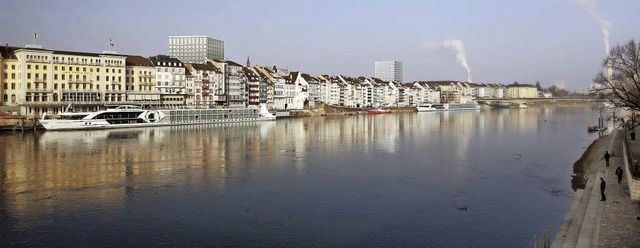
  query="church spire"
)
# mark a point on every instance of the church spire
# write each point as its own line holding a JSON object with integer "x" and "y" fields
{"x": 248, "y": 62}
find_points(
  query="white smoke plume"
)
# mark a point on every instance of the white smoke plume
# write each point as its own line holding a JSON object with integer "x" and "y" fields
{"x": 605, "y": 25}
{"x": 457, "y": 46}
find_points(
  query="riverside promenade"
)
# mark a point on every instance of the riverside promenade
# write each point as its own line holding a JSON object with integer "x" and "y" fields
{"x": 589, "y": 222}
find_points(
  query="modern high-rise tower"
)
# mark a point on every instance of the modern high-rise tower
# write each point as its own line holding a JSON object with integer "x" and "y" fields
{"x": 389, "y": 70}
{"x": 195, "y": 49}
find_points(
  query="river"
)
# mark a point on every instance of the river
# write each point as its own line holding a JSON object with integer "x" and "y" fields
{"x": 489, "y": 178}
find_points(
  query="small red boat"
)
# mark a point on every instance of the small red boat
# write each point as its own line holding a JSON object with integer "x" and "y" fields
{"x": 377, "y": 111}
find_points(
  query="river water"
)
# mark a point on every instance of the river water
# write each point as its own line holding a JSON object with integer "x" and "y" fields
{"x": 451, "y": 179}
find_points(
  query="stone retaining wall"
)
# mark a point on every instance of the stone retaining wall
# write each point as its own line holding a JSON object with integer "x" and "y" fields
{"x": 634, "y": 185}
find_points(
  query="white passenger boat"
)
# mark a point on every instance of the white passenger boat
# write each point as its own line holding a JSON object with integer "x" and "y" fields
{"x": 128, "y": 116}
{"x": 447, "y": 107}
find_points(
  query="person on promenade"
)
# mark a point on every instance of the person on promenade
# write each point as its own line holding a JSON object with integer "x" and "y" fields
{"x": 606, "y": 157}
{"x": 619, "y": 174}
{"x": 633, "y": 136}
{"x": 635, "y": 167}
{"x": 603, "y": 185}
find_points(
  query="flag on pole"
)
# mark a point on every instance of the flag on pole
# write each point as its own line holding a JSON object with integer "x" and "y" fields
{"x": 111, "y": 42}
{"x": 35, "y": 35}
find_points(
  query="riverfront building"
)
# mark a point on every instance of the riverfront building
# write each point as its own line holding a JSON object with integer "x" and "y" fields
{"x": 34, "y": 80}
{"x": 141, "y": 81}
{"x": 195, "y": 49}
{"x": 517, "y": 90}
{"x": 388, "y": 70}
{"x": 37, "y": 80}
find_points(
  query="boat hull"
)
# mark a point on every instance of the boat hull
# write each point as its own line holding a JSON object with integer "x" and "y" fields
{"x": 132, "y": 118}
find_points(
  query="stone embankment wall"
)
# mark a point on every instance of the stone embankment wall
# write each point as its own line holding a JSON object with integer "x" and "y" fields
{"x": 634, "y": 183}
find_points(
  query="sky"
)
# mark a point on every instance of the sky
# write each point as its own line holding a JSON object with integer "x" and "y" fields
{"x": 550, "y": 41}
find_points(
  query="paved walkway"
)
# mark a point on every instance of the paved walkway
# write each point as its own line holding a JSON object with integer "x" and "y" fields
{"x": 619, "y": 226}
{"x": 590, "y": 222}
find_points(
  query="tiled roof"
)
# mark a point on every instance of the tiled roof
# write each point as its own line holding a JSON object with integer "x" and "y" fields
{"x": 135, "y": 60}
{"x": 203, "y": 67}
{"x": 164, "y": 58}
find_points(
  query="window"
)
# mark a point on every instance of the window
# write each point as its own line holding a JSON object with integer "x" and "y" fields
{"x": 5, "y": 86}
{"x": 13, "y": 86}
{"x": 37, "y": 67}
{"x": 13, "y": 76}
{"x": 5, "y": 75}
{"x": 55, "y": 68}
{"x": 97, "y": 78}
{"x": 55, "y": 86}
{"x": 55, "y": 76}
{"x": 28, "y": 75}
{"x": 28, "y": 85}
{"x": 97, "y": 69}
{"x": 28, "y": 67}
{"x": 107, "y": 70}
{"x": 13, "y": 67}
{"x": 84, "y": 69}
{"x": 44, "y": 76}
{"x": 62, "y": 76}
{"x": 44, "y": 67}
{"x": 62, "y": 68}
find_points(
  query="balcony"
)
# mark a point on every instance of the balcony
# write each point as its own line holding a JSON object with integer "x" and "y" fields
{"x": 80, "y": 91}
{"x": 142, "y": 92}
{"x": 39, "y": 61}
{"x": 80, "y": 81}
{"x": 115, "y": 82}
{"x": 39, "y": 80}
{"x": 114, "y": 91}
{"x": 38, "y": 90}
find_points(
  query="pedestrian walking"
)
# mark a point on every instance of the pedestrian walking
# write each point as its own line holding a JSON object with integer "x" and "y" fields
{"x": 633, "y": 136}
{"x": 606, "y": 157}
{"x": 619, "y": 174}
{"x": 603, "y": 185}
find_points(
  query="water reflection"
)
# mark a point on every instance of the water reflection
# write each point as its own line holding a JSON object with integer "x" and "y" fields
{"x": 463, "y": 161}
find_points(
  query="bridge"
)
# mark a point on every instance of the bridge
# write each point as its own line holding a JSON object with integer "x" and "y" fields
{"x": 540, "y": 100}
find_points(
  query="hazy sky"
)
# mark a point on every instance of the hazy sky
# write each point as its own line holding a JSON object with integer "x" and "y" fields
{"x": 508, "y": 40}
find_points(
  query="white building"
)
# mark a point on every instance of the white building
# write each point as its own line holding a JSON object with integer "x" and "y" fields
{"x": 388, "y": 70}
{"x": 195, "y": 49}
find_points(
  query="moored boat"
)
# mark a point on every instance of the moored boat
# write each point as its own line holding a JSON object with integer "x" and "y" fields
{"x": 128, "y": 116}
{"x": 448, "y": 107}
{"x": 379, "y": 111}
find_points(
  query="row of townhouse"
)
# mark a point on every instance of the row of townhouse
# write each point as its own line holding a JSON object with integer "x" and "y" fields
{"x": 36, "y": 80}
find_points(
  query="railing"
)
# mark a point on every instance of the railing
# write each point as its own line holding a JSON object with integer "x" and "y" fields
{"x": 39, "y": 60}
{"x": 80, "y": 91}
{"x": 38, "y": 80}
{"x": 143, "y": 92}
{"x": 38, "y": 90}
{"x": 80, "y": 81}
{"x": 114, "y": 91}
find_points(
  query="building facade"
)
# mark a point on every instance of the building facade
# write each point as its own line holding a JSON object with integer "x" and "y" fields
{"x": 37, "y": 81}
{"x": 195, "y": 49}
{"x": 388, "y": 70}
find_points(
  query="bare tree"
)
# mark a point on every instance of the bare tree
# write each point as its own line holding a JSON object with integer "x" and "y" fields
{"x": 621, "y": 79}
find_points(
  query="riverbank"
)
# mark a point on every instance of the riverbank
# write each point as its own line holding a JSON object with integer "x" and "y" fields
{"x": 590, "y": 222}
